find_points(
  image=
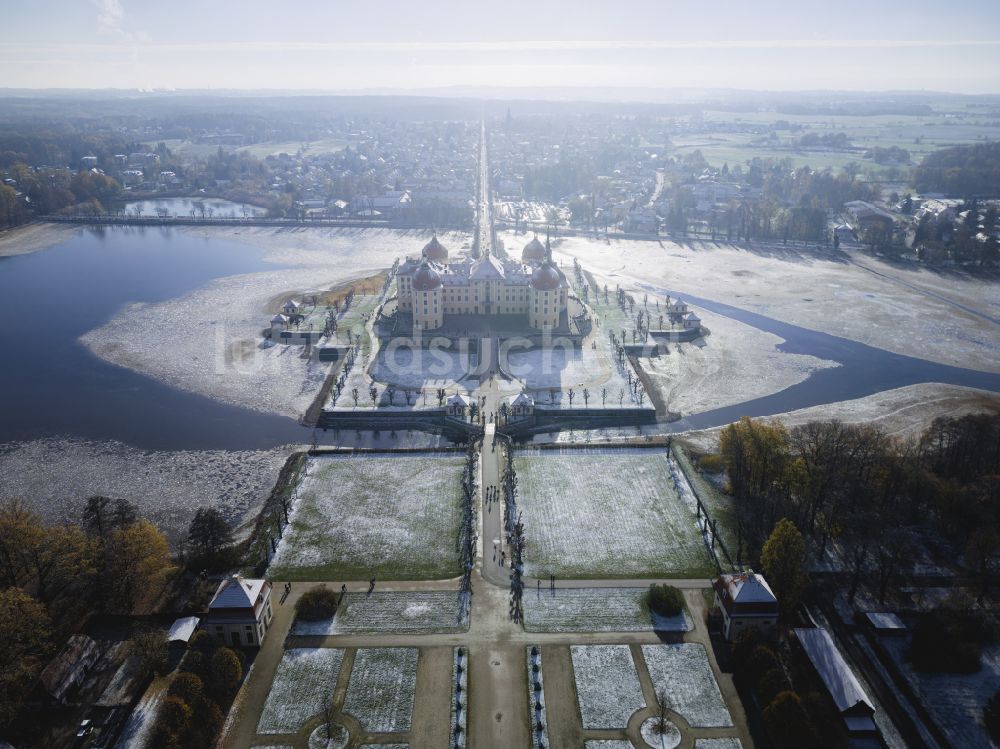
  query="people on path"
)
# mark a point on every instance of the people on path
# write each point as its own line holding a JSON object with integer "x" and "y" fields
{"x": 371, "y": 586}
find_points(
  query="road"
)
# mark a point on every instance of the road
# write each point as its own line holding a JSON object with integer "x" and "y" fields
{"x": 485, "y": 240}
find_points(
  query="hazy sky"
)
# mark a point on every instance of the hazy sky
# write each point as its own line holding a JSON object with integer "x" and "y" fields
{"x": 329, "y": 44}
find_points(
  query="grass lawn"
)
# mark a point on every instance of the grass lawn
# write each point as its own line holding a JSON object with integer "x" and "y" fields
{"x": 606, "y": 513}
{"x": 391, "y": 516}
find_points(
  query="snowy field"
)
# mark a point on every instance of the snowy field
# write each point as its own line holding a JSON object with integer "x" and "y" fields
{"x": 410, "y": 612}
{"x": 606, "y": 513}
{"x": 568, "y": 368}
{"x": 209, "y": 341}
{"x": 608, "y": 744}
{"x": 418, "y": 368}
{"x": 954, "y": 700}
{"x": 902, "y": 412}
{"x": 596, "y": 610}
{"x": 382, "y": 689}
{"x": 389, "y": 515}
{"x": 865, "y": 300}
{"x": 732, "y": 743}
{"x": 685, "y": 675}
{"x": 303, "y": 684}
{"x": 736, "y": 363}
{"x": 55, "y": 476}
{"x": 607, "y": 685}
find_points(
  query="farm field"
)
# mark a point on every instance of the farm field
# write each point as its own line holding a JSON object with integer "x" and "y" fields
{"x": 303, "y": 684}
{"x": 606, "y": 513}
{"x": 391, "y": 516}
{"x": 596, "y": 610}
{"x": 411, "y": 612}
{"x": 382, "y": 688}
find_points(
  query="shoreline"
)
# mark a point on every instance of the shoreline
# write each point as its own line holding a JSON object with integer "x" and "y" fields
{"x": 34, "y": 237}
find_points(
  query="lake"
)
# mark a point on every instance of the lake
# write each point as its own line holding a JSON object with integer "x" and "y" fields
{"x": 52, "y": 385}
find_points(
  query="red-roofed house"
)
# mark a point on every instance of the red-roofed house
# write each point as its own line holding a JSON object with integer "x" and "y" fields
{"x": 240, "y": 611}
{"x": 746, "y": 602}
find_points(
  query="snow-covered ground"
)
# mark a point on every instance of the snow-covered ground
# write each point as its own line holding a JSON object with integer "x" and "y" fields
{"x": 138, "y": 730}
{"x": 382, "y": 689}
{"x": 303, "y": 684}
{"x": 55, "y": 476}
{"x": 903, "y": 412}
{"x": 684, "y": 674}
{"x": 608, "y": 744}
{"x": 892, "y": 308}
{"x": 955, "y": 701}
{"x": 596, "y": 610}
{"x": 735, "y": 363}
{"x": 607, "y": 685}
{"x": 666, "y": 737}
{"x": 209, "y": 341}
{"x": 731, "y": 743}
{"x": 606, "y": 513}
{"x": 412, "y": 612}
{"x": 34, "y": 237}
{"x": 418, "y": 368}
{"x": 321, "y": 737}
{"x": 542, "y": 369}
{"x": 420, "y": 371}
{"x": 391, "y": 516}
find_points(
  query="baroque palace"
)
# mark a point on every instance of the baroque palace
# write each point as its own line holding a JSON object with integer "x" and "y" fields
{"x": 432, "y": 289}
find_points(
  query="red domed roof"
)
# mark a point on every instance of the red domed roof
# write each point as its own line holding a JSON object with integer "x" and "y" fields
{"x": 426, "y": 278}
{"x": 435, "y": 251}
{"x": 547, "y": 277}
{"x": 533, "y": 252}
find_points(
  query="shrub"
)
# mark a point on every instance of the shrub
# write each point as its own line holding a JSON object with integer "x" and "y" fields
{"x": 206, "y": 723}
{"x": 788, "y": 723}
{"x": 172, "y": 718}
{"x": 187, "y": 687}
{"x": 771, "y": 684}
{"x": 665, "y": 600}
{"x": 225, "y": 672}
{"x": 946, "y": 641}
{"x": 201, "y": 640}
{"x": 316, "y": 604}
{"x": 712, "y": 464}
{"x": 151, "y": 644}
{"x": 761, "y": 661}
{"x": 743, "y": 646}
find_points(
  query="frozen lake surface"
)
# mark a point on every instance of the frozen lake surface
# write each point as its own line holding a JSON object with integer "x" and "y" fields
{"x": 53, "y": 385}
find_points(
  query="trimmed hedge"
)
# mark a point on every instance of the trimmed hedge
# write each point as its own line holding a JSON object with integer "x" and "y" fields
{"x": 665, "y": 600}
{"x": 316, "y": 604}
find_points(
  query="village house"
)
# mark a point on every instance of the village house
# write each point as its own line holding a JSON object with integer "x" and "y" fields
{"x": 866, "y": 216}
{"x": 746, "y": 602}
{"x": 240, "y": 611}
